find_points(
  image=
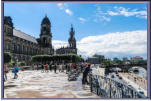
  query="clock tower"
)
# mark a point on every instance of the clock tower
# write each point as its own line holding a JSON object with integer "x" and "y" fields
{"x": 46, "y": 35}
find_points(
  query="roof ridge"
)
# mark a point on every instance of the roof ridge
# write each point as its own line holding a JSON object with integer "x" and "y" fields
{"x": 25, "y": 33}
{"x": 25, "y": 36}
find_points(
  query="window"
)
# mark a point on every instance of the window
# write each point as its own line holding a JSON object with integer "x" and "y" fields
{"x": 6, "y": 46}
{"x": 17, "y": 48}
{"x": 13, "y": 47}
{"x": 44, "y": 28}
{"x": 6, "y": 30}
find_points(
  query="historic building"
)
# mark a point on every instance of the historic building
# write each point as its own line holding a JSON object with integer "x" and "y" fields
{"x": 45, "y": 40}
{"x": 23, "y": 46}
{"x": 71, "y": 48}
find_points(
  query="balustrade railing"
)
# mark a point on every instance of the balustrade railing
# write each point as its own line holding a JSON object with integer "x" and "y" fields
{"x": 110, "y": 88}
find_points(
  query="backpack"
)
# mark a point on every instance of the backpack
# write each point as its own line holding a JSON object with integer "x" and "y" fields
{"x": 16, "y": 69}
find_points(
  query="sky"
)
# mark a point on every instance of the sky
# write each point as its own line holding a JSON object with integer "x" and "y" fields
{"x": 111, "y": 29}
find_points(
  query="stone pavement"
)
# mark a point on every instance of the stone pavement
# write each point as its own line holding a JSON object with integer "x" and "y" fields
{"x": 34, "y": 84}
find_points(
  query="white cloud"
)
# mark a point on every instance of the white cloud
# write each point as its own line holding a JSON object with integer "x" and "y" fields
{"x": 105, "y": 18}
{"x": 68, "y": 11}
{"x": 112, "y": 44}
{"x": 100, "y": 15}
{"x": 82, "y": 20}
{"x": 112, "y": 13}
{"x": 127, "y": 12}
{"x": 132, "y": 43}
{"x": 60, "y": 5}
{"x": 64, "y": 7}
{"x": 58, "y": 44}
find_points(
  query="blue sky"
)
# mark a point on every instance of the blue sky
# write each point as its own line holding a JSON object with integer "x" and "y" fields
{"x": 88, "y": 19}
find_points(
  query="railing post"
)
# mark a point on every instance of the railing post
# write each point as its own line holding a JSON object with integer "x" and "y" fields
{"x": 110, "y": 89}
{"x": 90, "y": 77}
{"x": 122, "y": 92}
{"x": 97, "y": 87}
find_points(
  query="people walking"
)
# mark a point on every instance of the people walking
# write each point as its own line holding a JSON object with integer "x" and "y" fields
{"x": 32, "y": 66}
{"x": 5, "y": 72}
{"x": 42, "y": 66}
{"x": 55, "y": 68}
{"x": 46, "y": 67}
{"x": 81, "y": 67}
{"x": 59, "y": 67}
{"x": 15, "y": 71}
{"x": 75, "y": 66}
{"x": 63, "y": 66}
{"x": 66, "y": 67}
{"x": 85, "y": 74}
{"x": 50, "y": 67}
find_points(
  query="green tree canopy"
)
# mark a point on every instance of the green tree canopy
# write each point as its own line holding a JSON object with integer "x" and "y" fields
{"x": 107, "y": 62}
{"x": 65, "y": 57}
{"x": 7, "y": 57}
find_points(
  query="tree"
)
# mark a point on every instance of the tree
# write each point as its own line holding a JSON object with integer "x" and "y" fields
{"x": 119, "y": 62}
{"x": 57, "y": 58}
{"x": 21, "y": 63}
{"x": 141, "y": 62}
{"x": 7, "y": 57}
{"x": 107, "y": 62}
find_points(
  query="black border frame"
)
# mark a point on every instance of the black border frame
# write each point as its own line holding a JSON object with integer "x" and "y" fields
{"x": 82, "y": 1}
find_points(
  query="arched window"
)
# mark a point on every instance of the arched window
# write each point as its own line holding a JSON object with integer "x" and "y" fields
{"x": 17, "y": 48}
{"x": 44, "y": 28}
{"x": 44, "y": 40}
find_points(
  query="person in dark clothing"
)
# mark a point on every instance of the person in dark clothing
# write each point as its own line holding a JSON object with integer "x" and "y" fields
{"x": 37, "y": 66}
{"x": 50, "y": 67}
{"x": 66, "y": 68}
{"x": 85, "y": 74}
{"x": 81, "y": 67}
{"x": 42, "y": 66}
{"x": 55, "y": 68}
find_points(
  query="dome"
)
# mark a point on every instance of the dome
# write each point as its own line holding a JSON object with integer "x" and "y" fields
{"x": 45, "y": 20}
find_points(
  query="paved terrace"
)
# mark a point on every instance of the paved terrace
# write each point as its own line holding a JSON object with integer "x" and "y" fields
{"x": 34, "y": 84}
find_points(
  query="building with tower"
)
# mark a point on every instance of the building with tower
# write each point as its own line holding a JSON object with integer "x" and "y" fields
{"x": 23, "y": 46}
{"x": 45, "y": 40}
{"x": 71, "y": 48}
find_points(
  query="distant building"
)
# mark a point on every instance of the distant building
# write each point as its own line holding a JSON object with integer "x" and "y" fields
{"x": 125, "y": 59}
{"x": 136, "y": 58}
{"x": 96, "y": 59}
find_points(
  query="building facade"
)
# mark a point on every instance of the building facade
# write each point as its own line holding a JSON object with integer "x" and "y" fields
{"x": 136, "y": 58}
{"x": 96, "y": 59}
{"x": 23, "y": 46}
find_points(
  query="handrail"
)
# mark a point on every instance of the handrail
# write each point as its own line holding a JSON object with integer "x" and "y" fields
{"x": 98, "y": 84}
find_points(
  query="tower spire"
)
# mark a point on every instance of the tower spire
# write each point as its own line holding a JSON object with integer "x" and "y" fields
{"x": 71, "y": 26}
{"x": 71, "y": 31}
{"x": 72, "y": 40}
